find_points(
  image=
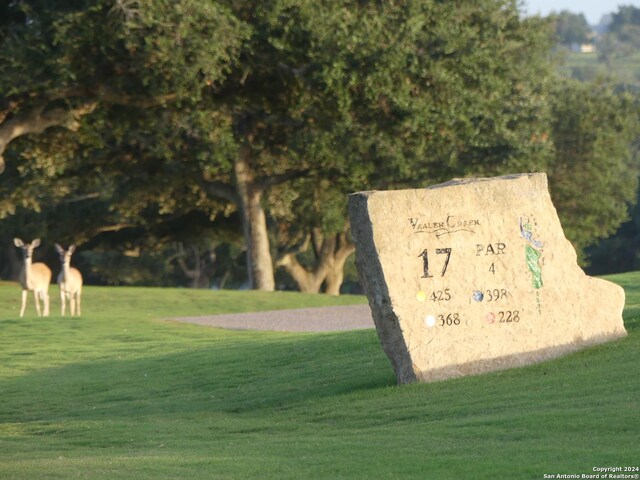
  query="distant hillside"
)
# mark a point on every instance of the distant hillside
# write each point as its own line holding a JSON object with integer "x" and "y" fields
{"x": 608, "y": 50}
{"x": 624, "y": 70}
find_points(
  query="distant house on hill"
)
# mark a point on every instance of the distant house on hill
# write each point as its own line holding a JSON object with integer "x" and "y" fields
{"x": 583, "y": 47}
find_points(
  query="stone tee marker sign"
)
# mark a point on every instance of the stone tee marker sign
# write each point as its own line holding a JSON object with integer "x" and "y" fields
{"x": 476, "y": 275}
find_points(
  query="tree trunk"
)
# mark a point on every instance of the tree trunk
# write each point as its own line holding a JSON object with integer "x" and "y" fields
{"x": 254, "y": 223}
{"x": 308, "y": 281}
{"x": 203, "y": 267}
{"x": 343, "y": 249}
{"x": 331, "y": 255}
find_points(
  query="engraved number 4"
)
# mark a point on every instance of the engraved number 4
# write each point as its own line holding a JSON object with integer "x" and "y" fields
{"x": 425, "y": 261}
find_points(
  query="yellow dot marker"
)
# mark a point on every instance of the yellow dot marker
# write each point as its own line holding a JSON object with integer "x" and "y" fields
{"x": 421, "y": 296}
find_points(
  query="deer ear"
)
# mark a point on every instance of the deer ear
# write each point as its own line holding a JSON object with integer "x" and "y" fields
{"x": 72, "y": 248}
{"x": 35, "y": 243}
{"x": 58, "y": 248}
{"x": 17, "y": 242}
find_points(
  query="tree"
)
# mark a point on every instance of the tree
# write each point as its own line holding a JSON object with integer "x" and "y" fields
{"x": 428, "y": 120}
{"x": 312, "y": 233}
{"x": 620, "y": 252}
{"x": 623, "y": 36}
{"x": 594, "y": 177}
{"x": 626, "y": 15}
{"x": 571, "y": 28}
{"x": 384, "y": 93}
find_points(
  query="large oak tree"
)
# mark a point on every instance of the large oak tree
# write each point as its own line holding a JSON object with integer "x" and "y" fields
{"x": 384, "y": 94}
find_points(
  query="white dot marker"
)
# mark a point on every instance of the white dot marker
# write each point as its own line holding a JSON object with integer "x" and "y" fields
{"x": 430, "y": 320}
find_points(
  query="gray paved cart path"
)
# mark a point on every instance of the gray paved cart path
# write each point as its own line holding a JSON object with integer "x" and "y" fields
{"x": 323, "y": 319}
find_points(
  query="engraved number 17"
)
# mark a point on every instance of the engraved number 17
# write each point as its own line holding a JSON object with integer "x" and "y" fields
{"x": 425, "y": 261}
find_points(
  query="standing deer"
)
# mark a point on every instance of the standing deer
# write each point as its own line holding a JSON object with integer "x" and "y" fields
{"x": 33, "y": 276}
{"x": 69, "y": 281}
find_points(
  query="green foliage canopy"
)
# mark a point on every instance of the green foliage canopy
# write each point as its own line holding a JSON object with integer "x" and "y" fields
{"x": 411, "y": 93}
{"x": 594, "y": 177}
{"x": 191, "y": 109}
{"x": 571, "y": 28}
{"x": 623, "y": 37}
{"x": 59, "y": 61}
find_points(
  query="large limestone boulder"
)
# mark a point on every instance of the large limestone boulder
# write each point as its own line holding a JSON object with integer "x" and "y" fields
{"x": 476, "y": 275}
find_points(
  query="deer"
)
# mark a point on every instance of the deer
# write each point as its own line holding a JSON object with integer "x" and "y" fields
{"x": 34, "y": 277}
{"x": 69, "y": 281}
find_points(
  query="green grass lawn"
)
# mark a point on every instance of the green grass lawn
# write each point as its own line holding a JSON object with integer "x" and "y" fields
{"x": 122, "y": 393}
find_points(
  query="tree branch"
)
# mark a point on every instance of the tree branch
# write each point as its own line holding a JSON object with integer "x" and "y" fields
{"x": 38, "y": 119}
{"x": 114, "y": 228}
{"x": 299, "y": 247}
{"x": 265, "y": 182}
{"x": 114, "y": 97}
{"x": 219, "y": 189}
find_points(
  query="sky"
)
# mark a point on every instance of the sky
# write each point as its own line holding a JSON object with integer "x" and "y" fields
{"x": 593, "y": 10}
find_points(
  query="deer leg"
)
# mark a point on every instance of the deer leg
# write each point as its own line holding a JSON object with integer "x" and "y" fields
{"x": 45, "y": 295}
{"x": 24, "y": 302}
{"x": 72, "y": 303}
{"x": 36, "y": 296}
{"x": 62, "y": 302}
{"x": 78, "y": 302}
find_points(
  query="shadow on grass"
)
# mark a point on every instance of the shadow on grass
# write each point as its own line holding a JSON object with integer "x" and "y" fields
{"x": 276, "y": 373}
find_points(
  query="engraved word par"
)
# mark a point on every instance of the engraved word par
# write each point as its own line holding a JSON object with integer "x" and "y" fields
{"x": 476, "y": 275}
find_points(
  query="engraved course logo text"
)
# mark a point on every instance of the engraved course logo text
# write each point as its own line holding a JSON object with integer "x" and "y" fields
{"x": 451, "y": 224}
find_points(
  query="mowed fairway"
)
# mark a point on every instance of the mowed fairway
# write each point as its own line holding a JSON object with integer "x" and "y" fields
{"x": 122, "y": 393}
